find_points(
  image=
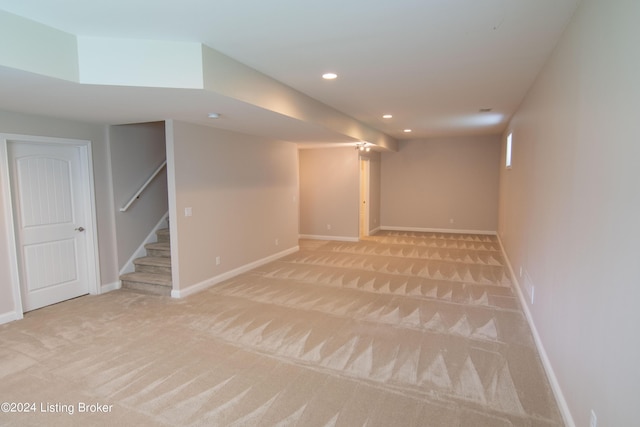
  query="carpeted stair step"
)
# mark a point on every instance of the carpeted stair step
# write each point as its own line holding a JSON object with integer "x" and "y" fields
{"x": 153, "y": 272}
{"x": 163, "y": 235}
{"x": 159, "y": 249}
{"x": 157, "y": 265}
{"x": 153, "y": 283}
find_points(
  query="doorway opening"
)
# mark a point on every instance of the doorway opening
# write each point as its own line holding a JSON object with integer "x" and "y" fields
{"x": 364, "y": 197}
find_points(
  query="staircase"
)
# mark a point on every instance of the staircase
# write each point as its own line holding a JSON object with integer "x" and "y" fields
{"x": 153, "y": 272}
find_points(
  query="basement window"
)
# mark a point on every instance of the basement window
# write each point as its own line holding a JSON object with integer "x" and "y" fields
{"x": 508, "y": 154}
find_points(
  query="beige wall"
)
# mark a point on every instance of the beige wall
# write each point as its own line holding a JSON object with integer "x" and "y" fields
{"x": 375, "y": 188}
{"x": 570, "y": 205}
{"x": 429, "y": 182}
{"x": 243, "y": 192}
{"x": 136, "y": 152}
{"x": 329, "y": 192}
{"x": 24, "y": 124}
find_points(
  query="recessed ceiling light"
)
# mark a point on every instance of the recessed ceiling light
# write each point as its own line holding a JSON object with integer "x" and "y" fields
{"x": 406, "y": 130}
{"x": 387, "y": 116}
{"x": 329, "y": 76}
{"x": 485, "y": 110}
{"x": 214, "y": 115}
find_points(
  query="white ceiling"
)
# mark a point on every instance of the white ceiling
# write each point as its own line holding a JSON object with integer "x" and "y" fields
{"x": 431, "y": 63}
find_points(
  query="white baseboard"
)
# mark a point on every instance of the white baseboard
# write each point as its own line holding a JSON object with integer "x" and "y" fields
{"x": 336, "y": 238}
{"x": 438, "y": 230}
{"x": 130, "y": 267}
{"x": 546, "y": 363}
{"x": 181, "y": 293}
{"x": 374, "y": 231}
{"x": 110, "y": 287}
{"x": 9, "y": 317}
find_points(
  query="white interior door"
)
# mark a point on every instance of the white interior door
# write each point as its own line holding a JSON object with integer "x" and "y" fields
{"x": 50, "y": 219}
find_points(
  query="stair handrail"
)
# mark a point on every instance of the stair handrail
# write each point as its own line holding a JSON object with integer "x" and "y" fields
{"x": 143, "y": 187}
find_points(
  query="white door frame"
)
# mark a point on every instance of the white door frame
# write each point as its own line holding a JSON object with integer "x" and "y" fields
{"x": 93, "y": 267}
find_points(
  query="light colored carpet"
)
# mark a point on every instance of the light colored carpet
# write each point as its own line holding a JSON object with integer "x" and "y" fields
{"x": 403, "y": 329}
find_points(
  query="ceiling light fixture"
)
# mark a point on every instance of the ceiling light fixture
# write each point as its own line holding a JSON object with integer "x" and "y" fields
{"x": 406, "y": 130}
{"x": 213, "y": 115}
{"x": 363, "y": 146}
{"x": 387, "y": 116}
{"x": 329, "y": 76}
{"x": 485, "y": 110}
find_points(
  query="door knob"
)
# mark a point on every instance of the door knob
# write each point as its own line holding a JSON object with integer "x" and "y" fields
{"x": 80, "y": 229}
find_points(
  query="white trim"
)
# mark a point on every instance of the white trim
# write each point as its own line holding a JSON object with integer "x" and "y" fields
{"x": 10, "y": 316}
{"x": 130, "y": 267}
{"x": 374, "y": 231}
{"x": 5, "y": 188}
{"x": 438, "y": 230}
{"x": 546, "y": 363}
{"x": 173, "y": 206}
{"x": 111, "y": 287}
{"x": 336, "y": 238}
{"x": 509, "y": 151}
{"x": 181, "y": 293}
{"x": 110, "y": 214}
{"x": 93, "y": 268}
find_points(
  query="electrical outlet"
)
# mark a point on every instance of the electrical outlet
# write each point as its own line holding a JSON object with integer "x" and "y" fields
{"x": 451, "y": 221}
{"x": 277, "y": 242}
{"x": 188, "y": 211}
{"x": 593, "y": 421}
{"x": 217, "y": 260}
{"x": 328, "y": 226}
